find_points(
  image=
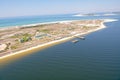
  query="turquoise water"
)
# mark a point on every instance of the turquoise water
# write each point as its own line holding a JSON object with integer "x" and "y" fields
{"x": 95, "y": 58}
{"x": 19, "y": 21}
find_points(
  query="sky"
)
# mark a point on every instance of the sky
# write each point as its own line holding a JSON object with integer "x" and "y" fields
{"x": 12, "y": 8}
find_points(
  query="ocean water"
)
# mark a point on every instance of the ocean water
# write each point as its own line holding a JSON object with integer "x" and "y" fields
{"x": 95, "y": 58}
{"x": 26, "y": 20}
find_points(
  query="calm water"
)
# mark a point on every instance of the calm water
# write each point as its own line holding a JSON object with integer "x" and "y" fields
{"x": 96, "y": 58}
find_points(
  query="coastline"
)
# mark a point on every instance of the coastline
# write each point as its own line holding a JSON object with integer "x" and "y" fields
{"x": 60, "y": 40}
{"x": 36, "y": 24}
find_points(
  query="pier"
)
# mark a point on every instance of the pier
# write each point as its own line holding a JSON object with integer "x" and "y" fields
{"x": 80, "y": 37}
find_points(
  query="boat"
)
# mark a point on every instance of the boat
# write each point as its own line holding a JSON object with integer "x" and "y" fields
{"x": 82, "y": 38}
{"x": 75, "y": 41}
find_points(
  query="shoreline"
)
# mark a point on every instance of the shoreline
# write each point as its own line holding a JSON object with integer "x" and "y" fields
{"x": 37, "y": 24}
{"x": 60, "y": 40}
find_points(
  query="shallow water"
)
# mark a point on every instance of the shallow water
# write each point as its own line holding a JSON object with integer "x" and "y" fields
{"x": 95, "y": 58}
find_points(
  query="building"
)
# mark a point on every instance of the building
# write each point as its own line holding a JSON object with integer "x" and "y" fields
{"x": 3, "y": 47}
{"x": 40, "y": 35}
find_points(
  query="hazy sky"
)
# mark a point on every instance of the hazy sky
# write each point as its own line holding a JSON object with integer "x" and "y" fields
{"x": 9, "y": 8}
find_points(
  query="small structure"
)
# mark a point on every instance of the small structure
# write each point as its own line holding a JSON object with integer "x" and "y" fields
{"x": 80, "y": 37}
{"x": 3, "y": 47}
{"x": 40, "y": 35}
{"x": 75, "y": 41}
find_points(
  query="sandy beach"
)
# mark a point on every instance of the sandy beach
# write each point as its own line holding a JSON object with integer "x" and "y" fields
{"x": 36, "y": 24}
{"x": 59, "y": 40}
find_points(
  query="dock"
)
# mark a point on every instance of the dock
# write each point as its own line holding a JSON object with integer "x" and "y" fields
{"x": 75, "y": 41}
{"x": 80, "y": 37}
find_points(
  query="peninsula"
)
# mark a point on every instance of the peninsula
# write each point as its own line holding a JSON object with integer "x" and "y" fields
{"x": 17, "y": 40}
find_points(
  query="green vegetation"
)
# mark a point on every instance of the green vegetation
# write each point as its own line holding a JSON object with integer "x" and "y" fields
{"x": 25, "y": 37}
{"x": 71, "y": 28}
{"x": 43, "y": 30}
{"x": 14, "y": 47}
{"x": 20, "y": 35}
{"x": 86, "y": 27}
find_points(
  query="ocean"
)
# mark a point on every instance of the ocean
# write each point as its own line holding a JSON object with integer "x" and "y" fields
{"x": 95, "y": 58}
{"x": 27, "y": 20}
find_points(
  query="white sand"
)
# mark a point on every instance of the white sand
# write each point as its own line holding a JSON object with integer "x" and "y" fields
{"x": 111, "y": 14}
